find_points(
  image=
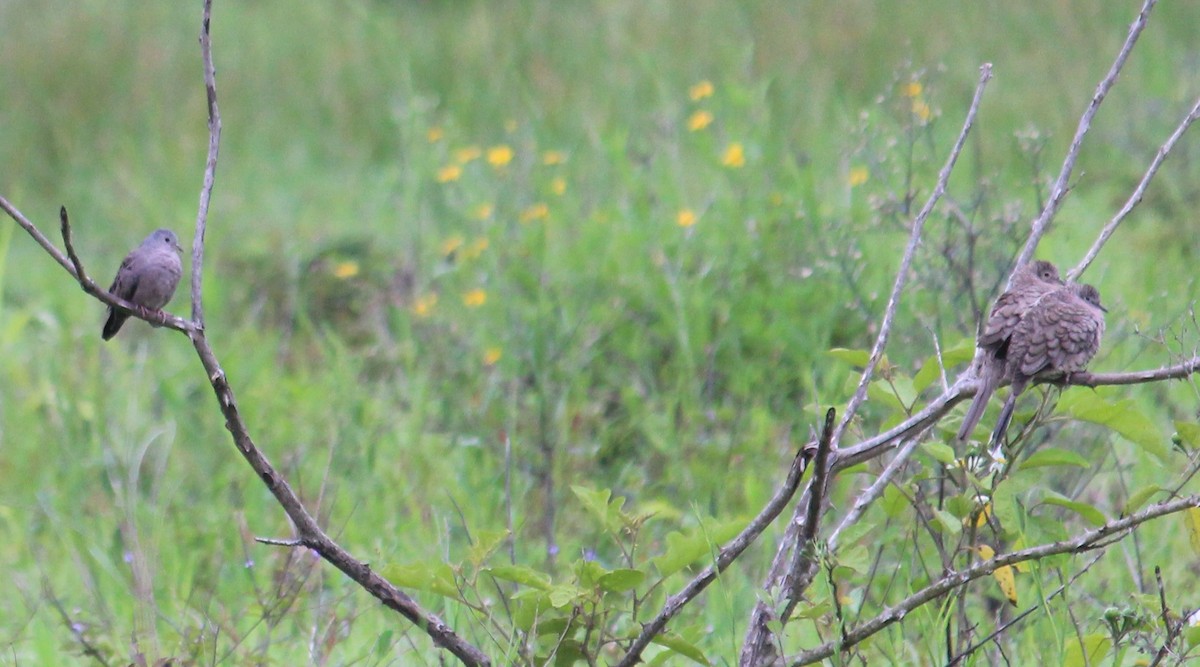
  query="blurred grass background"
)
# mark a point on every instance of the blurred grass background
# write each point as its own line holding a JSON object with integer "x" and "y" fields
{"x": 439, "y": 225}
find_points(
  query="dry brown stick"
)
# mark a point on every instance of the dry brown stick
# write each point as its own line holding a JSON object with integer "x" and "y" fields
{"x": 1060, "y": 188}
{"x": 1087, "y": 541}
{"x": 1138, "y": 192}
{"x": 725, "y": 557}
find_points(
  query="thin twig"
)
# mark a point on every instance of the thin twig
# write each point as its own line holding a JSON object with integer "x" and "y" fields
{"x": 1087, "y": 541}
{"x": 65, "y": 228}
{"x": 1136, "y": 197}
{"x": 210, "y": 164}
{"x": 1060, "y": 188}
{"x": 1022, "y": 616}
{"x": 806, "y": 546}
{"x": 914, "y": 239}
{"x": 868, "y": 496}
{"x": 76, "y": 629}
{"x": 724, "y": 559}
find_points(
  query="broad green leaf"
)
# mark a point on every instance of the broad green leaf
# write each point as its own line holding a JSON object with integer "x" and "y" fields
{"x": 562, "y": 595}
{"x": 1052, "y": 456}
{"x": 893, "y": 502}
{"x": 813, "y": 609}
{"x": 1189, "y": 433}
{"x": 1121, "y": 416}
{"x": 1095, "y": 647}
{"x": 950, "y": 523}
{"x": 681, "y": 646}
{"x": 486, "y": 543}
{"x": 522, "y": 575}
{"x": 619, "y": 581}
{"x": 600, "y": 504}
{"x": 433, "y": 576}
{"x": 1088, "y": 512}
{"x": 1191, "y": 519}
{"x": 941, "y": 452}
{"x": 588, "y": 573}
{"x": 685, "y": 549}
{"x": 855, "y": 559}
{"x": 532, "y": 608}
{"x": 853, "y": 357}
{"x": 1139, "y": 498}
{"x": 931, "y": 370}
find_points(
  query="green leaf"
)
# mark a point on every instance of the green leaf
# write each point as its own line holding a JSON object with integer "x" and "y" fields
{"x": 522, "y": 575}
{"x": 681, "y": 646}
{"x": 1139, "y": 498}
{"x": 855, "y": 559}
{"x": 1052, "y": 456}
{"x": 619, "y": 581}
{"x": 531, "y": 609}
{"x": 1088, "y": 512}
{"x": 950, "y": 523}
{"x": 857, "y": 358}
{"x": 588, "y": 573}
{"x": 600, "y": 504}
{"x": 684, "y": 549}
{"x": 433, "y": 576}
{"x": 1095, "y": 647}
{"x": 941, "y": 452}
{"x": 563, "y": 595}
{"x": 931, "y": 370}
{"x": 1189, "y": 432}
{"x": 486, "y": 543}
{"x": 1121, "y": 416}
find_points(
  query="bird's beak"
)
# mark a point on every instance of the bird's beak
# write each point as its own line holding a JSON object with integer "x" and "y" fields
{"x": 178, "y": 247}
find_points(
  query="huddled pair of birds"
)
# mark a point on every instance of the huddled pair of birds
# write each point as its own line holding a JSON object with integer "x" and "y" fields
{"x": 147, "y": 278}
{"x": 1039, "y": 327}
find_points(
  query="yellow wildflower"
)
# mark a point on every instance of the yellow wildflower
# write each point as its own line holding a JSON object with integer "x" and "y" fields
{"x": 450, "y": 245}
{"x": 491, "y": 355}
{"x": 700, "y": 91}
{"x": 734, "y": 156}
{"x": 536, "y": 212}
{"x": 450, "y": 172}
{"x": 858, "y": 176}
{"x": 921, "y": 110}
{"x": 685, "y": 218}
{"x": 498, "y": 156}
{"x": 553, "y": 157}
{"x": 344, "y": 270}
{"x": 912, "y": 89}
{"x": 474, "y": 298}
{"x": 423, "y": 305}
{"x": 465, "y": 155}
{"x": 558, "y": 186}
{"x": 476, "y": 248}
{"x": 699, "y": 120}
{"x": 434, "y": 134}
{"x": 483, "y": 211}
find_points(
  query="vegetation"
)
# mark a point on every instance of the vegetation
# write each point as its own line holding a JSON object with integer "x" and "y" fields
{"x": 478, "y": 271}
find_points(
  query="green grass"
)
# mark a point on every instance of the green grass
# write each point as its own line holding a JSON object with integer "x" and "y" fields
{"x": 679, "y": 367}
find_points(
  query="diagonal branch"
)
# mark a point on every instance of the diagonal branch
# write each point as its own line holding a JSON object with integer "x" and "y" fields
{"x": 725, "y": 556}
{"x": 1059, "y": 191}
{"x": 914, "y": 239}
{"x": 1135, "y": 197}
{"x": 1097, "y": 538}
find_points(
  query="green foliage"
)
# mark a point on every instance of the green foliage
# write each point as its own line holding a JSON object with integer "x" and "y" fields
{"x": 533, "y": 319}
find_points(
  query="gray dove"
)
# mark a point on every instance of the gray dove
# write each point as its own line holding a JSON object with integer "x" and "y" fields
{"x": 147, "y": 277}
{"x": 1030, "y": 283}
{"x": 1058, "y": 336}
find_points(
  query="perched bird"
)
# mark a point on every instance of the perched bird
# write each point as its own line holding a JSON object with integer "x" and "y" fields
{"x": 147, "y": 277}
{"x": 1030, "y": 283}
{"x": 1058, "y": 336}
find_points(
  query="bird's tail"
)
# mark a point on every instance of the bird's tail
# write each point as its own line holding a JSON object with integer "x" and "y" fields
{"x": 113, "y": 324}
{"x": 989, "y": 378}
{"x": 1006, "y": 414}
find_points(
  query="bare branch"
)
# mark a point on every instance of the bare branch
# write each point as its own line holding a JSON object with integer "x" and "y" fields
{"x": 804, "y": 556}
{"x": 210, "y": 165}
{"x": 1136, "y": 197}
{"x": 1059, "y": 191}
{"x": 726, "y": 556}
{"x": 1087, "y": 541}
{"x": 885, "y": 328}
